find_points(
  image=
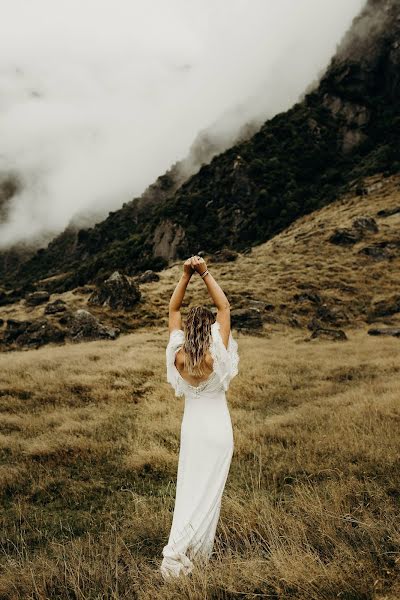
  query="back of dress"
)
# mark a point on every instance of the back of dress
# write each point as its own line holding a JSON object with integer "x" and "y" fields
{"x": 206, "y": 449}
{"x": 225, "y": 367}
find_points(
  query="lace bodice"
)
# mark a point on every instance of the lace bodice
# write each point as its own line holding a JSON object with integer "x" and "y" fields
{"x": 225, "y": 363}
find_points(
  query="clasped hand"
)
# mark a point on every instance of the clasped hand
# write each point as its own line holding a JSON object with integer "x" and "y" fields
{"x": 194, "y": 263}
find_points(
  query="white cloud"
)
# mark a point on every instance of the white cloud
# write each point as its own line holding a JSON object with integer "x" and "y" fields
{"x": 99, "y": 97}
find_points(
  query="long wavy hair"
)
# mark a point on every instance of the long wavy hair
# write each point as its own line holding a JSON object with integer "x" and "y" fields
{"x": 197, "y": 330}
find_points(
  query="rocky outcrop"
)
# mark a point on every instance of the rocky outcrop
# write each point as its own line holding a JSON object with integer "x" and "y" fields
{"x": 31, "y": 334}
{"x": 36, "y": 298}
{"x": 347, "y": 236}
{"x": 75, "y": 326}
{"x": 365, "y": 225}
{"x": 246, "y": 318}
{"x": 148, "y": 276}
{"x": 384, "y": 308}
{"x": 388, "y": 212}
{"x": 116, "y": 292}
{"x": 391, "y": 331}
{"x": 385, "y": 250}
{"x": 344, "y": 236}
{"x": 332, "y": 315}
{"x": 354, "y": 117}
{"x": 166, "y": 239}
{"x": 224, "y": 255}
{"x": 328, "y": 334}
{"x": 58, "y": 306}
{"x": 82, "y": 325}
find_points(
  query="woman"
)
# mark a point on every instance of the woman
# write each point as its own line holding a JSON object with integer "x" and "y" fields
{"x": 201, "y": 359}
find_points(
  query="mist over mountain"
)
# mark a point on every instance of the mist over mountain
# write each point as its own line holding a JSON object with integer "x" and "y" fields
{"x": 98, "y": 99}
{"x": 345, "y": 127}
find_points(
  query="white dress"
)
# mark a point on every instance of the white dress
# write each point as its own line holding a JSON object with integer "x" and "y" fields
{"x": 206, "y": 449}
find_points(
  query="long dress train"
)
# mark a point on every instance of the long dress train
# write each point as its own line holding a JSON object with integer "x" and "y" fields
{"x": 206, "y": 449}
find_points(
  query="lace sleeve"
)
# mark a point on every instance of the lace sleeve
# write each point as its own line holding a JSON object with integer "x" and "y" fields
{"x": 176, "y": 340}
{"x": 226, "y": 360}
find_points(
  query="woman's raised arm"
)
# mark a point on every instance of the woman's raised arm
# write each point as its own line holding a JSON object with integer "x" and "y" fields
{"x": 218, "y": 296}
{"x": 175, "y": 303}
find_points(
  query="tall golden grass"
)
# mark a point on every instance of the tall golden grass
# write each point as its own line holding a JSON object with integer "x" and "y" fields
{"x": 90, "y": 440}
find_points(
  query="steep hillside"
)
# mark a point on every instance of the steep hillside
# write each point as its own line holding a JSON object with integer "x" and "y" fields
{"x": 298, "y": 161}
{"x": 299, "y": 278}
{"x": 300, "y": 275}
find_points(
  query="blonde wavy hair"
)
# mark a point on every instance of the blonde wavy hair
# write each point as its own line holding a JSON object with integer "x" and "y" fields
{"x": 197, "y": 330}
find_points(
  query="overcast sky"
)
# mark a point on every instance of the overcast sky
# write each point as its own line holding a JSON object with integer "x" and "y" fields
{"x": 99, "y": 97}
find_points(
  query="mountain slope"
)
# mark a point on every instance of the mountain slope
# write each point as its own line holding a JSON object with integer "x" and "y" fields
{"x": 299, "y": 278}
{"x": 300, "y": 160}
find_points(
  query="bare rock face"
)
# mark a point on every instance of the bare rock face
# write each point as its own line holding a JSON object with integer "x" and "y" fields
{"x": 117, "y": 292}
{"x": 167, "y": 237}
{"x": 82, "y": 325}
{"x": 36, "y": 298}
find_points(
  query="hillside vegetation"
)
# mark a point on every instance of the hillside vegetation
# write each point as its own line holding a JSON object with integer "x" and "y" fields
{"x": 297, "y": 278}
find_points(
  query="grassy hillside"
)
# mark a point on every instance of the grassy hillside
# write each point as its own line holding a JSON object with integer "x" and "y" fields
{"x": 89, "y": 435}
{"x": 89, "y": 446}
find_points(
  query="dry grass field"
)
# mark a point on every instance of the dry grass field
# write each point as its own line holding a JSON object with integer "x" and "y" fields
{"x": 90, "y": 440}
{"x": 89, "y": 437}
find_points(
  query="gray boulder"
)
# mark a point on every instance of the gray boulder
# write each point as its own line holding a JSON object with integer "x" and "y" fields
{"x": 82, "y": 325}
{"x": 117, "y": 292}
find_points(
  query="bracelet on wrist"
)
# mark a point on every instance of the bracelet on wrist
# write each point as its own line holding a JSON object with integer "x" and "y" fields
{"x": 202, "y": 275}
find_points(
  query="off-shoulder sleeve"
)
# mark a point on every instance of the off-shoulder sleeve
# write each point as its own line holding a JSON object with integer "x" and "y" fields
{"x": 226, "y": 360}
{"x": 176, "y": 340}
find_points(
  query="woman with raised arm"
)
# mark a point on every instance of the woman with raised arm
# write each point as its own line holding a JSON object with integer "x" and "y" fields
{"x": 202, "y": 359}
